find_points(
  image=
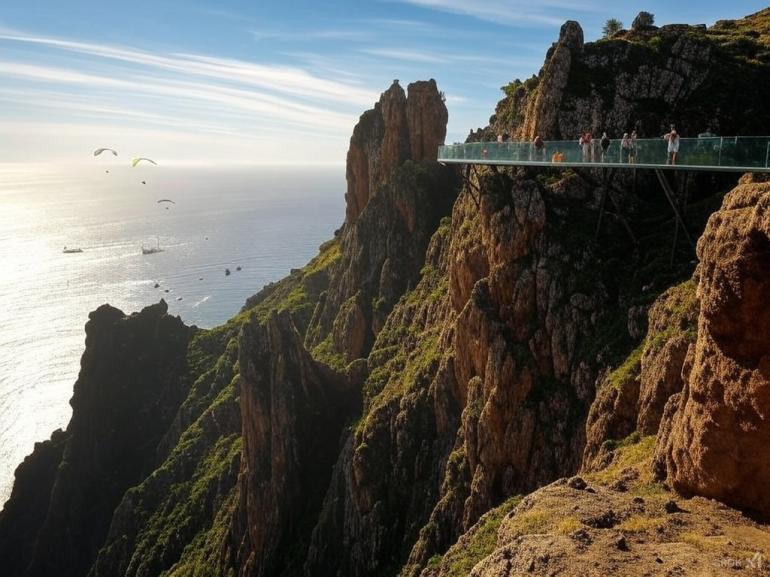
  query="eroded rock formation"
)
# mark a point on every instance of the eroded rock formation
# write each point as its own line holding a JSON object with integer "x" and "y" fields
{"x": 400, "y": 127}
{"x": 717, "y": 442}
{"x": 130, "y": 386}
{"x": 293, "y": 411}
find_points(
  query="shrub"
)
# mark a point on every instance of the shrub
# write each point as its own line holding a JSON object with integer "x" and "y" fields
{"x": 612, "y": 27}
{"x": 643, "y": 20}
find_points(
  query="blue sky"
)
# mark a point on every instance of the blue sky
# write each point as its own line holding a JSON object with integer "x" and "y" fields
{"x": 194, "y": 81}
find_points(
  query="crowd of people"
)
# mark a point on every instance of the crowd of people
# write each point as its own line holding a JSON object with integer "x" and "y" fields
{"x": 592, "y": 153}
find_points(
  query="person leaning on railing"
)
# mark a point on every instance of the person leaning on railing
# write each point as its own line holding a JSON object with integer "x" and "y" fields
{"x": 673, "y": 145}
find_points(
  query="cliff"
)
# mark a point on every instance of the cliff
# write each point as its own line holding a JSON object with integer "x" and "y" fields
{"x": 469, "y": 379}
{"x": 132, "y": 380}
{"x": 695, "y": 77}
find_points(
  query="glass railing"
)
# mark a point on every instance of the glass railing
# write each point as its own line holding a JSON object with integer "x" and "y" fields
{"x": 720, "y": 153}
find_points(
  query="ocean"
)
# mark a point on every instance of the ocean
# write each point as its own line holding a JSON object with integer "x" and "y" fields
{"x": 265, "y": 220}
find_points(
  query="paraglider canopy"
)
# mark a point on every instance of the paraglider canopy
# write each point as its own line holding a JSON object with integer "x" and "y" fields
{"x": 136, "y": 161}
{"x": 98, "y": 151}
{"x": 166, "y": 200}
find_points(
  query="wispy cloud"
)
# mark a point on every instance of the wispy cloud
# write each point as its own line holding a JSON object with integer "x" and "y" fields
{"x": 289, "y": 80}
{"x": 508, "y": 12}
{"x": 309, "y": 35}
{"x": 408, "y": 55}
{"x": 192, "y": 94}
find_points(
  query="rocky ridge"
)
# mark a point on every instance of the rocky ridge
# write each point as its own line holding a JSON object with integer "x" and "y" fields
{"x": 382, "y": 410}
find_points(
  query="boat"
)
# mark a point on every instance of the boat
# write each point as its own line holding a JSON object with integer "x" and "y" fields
{"x": 152, "y": 249}
{"x": 71, "y": 250}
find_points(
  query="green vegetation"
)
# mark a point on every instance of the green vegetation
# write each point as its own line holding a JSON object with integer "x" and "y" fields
{"x": 631, "y": 454}
{"x": 482, "y": 539}
{"x": 297, "y": 293}
{"x": 629, "y": 369}
{"x": 676, "y": 314}
{"x": 643, "y": 20}
{"x": 325, "y": 353}
{"x": 611, "y": 27}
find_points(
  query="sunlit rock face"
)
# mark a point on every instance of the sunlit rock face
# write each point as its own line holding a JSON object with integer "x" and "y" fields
{"x": 399, "y": 127}
{"x": 716, "y": 443}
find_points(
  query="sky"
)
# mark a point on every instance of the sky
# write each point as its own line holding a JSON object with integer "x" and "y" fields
{"x": 255, "y": 82}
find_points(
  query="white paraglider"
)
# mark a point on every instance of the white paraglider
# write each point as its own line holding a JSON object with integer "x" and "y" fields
{"x": 98, "y": 151}
{"x": 136, "y": 161}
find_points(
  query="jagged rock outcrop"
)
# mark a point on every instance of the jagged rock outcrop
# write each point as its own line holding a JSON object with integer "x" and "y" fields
{"x": 382, "y": 253}
{"x": 631, "y": 399}
{"x": 396, "y": 195}
{"x": 26, "y": 509}
{"x": 542, "y": 112}
{"x": 130, "y": 386}
{"x": 184, "y": 499}
{"x": 645, "y": 79}
{"x": 716, "y": 444}
{"x": 293, "y": 411}
{"x": 400, "y": 127}
{"x": 375, "y": 412}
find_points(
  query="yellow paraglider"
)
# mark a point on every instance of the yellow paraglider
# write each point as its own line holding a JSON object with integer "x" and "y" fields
{"x": 136, "y": 161}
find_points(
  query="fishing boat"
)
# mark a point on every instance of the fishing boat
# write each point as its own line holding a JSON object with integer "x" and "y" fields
{"x": 152, "y": 249}
{"x": 71, "y": 250}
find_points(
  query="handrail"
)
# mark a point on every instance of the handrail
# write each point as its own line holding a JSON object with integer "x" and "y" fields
{"x": 734, "y": 153}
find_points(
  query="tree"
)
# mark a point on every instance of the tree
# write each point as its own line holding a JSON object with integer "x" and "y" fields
{"x": 643, "y": 20}
{"x": 612, "y": 27}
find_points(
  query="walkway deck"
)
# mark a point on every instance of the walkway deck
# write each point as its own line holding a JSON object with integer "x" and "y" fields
{"x": 729, "y": 154}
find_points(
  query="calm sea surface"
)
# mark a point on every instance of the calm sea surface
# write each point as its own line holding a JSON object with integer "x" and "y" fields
{"x": 265, "y": 220}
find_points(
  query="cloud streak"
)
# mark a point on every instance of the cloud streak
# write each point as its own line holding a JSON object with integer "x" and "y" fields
{"x": 508, "y": 12}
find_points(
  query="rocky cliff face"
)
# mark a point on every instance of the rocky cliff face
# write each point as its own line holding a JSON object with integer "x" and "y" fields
{"x": 695, "y": 77}
{"x": 397, "y": 129}
{"x": 381, "y": 411}
{"x": 293, "y": 410}
{"x": 129, "y": 388}
{"x": 715, "y": 444}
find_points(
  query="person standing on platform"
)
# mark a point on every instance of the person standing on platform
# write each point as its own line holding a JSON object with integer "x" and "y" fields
{"x": 673, "y": 145}
{"x": 605, "y": 143}
{"x": 586, "y": 144}
{"x": 634, "y": 137}
{"x": 539, "y": 146}
{"x": 625, "y": 148}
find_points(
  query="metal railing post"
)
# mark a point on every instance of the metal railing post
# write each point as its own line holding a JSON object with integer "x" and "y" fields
{"x": 721, "y": 145}
{"x": 767, "y": 154}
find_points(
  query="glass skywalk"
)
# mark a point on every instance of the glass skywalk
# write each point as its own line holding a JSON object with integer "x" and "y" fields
{"x": 733, "y": 153}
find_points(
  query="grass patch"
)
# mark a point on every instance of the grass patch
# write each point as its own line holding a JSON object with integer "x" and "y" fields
{"x": 530, "y": 522}
{"x": 628, "y": 370}
{"x": 325, "y": 353}
{"x": 633, "y": 452}
{"x": 568, "y": 525}
{"x": 640, "y": 524}
{"x": 458, "y": 562}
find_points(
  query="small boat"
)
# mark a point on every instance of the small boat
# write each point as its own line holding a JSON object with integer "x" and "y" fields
{"x": 238, "y": 268}
{"x": 227, "y": 272}
{"x": 71, "y": 250}
{"x": 152, "y": 249}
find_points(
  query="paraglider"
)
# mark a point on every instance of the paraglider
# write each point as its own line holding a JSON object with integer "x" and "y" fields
{"x": 98, "y": 151}
{"x": 136, "y": 161}
{"x": 166, "y": 200}
{"x": 143, "y": 182}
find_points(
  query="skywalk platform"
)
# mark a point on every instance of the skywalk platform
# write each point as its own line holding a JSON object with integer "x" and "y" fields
{"x": 726, "y": 154}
